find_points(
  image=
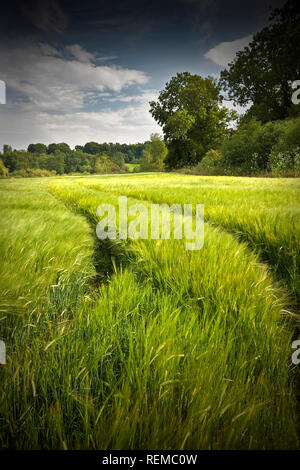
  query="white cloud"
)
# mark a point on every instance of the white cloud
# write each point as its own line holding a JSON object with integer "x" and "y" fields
{"x": 80, "y": 53}
{"x": 52, "y": 95}
{"x": 47, "y": 80}
{"x": 128, "y": 125}
{"x": 102, "y": 59}
{"x": 225, "y": 52}
{"x": 51, "y": 92}
{"x": 145, "y": 96}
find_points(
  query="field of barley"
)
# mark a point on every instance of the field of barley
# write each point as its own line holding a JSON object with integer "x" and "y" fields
{"x": 142, "y": 344}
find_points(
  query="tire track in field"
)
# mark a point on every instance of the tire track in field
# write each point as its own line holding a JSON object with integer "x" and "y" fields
{"x": 242, "y": 236}
{"x": 293, "y": 303}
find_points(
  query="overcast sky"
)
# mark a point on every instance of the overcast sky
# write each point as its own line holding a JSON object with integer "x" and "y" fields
{"x": 77, "y": 71}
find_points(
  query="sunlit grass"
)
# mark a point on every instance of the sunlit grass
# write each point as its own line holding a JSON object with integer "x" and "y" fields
{"x": 175, "y": 349}
{"x": 263, "y": 212}
{"x": 41, "y": 244}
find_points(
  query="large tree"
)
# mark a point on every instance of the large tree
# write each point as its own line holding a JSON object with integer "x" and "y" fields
{"x": 262, "y": 74}
{"x": 192, "y": 118}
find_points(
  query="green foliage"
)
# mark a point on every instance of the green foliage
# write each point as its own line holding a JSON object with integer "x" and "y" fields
{"x": 133, "y": 167}
{"x": 250, "y": 146}
{"x": 262, "y": 74}
{"x": 285, "y": 162}
{"x": 37, "y": 148}
{"x": 104, "y": 164}
{"x": 31, "y": 172}
{"x": 54, "y": 162}
{"x": 211, "y": 163}
{"x": 92, "y": 148}
{"x": 7, "y": 148}
{"x": 285, "y": 156}
{"x": 178, "y": 125}
{"x": 132, "y": 153}
{"x": 146, "y": 161}
{"x": 62, "y": 147}
{"x": 154, "y": 154}
{"x": 3, "y": 170}
{"x": 189, "y": 111}
{"x": 60, "y": 159}
{"x": 290, "y": 137}
{"x": 118, "y": 158}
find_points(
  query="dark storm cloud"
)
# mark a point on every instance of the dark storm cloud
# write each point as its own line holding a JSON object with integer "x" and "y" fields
{"x": 79, "y": 70}
{"x": 20, "y": 16}
{"x": 59, "y": 15}
{"x": 47, "y": 15}
{"x": 129, "y": 17}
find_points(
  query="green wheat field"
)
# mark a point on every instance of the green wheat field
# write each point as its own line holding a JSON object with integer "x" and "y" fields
{"x": 141, "y": 344}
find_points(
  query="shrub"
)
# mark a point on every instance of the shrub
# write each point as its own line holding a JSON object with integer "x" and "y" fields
{"x": 32, "y": 172}
{"x": 211, "y": 159}
{"x": 39, "y": 172}
{"x": 250, "y": 146}
{"x": 290, "y": 138}
{"x": 154, "y": 154}
{"x": 285, "y": 162}
{"x": 211, "y": 163}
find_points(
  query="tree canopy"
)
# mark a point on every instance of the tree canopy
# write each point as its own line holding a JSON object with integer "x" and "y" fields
{"x": 262, "y": 74}
{"x": 59, "y": 158}
{"x": 192, "y": 118}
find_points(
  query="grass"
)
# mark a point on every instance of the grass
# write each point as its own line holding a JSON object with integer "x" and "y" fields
{"x": 263, "y": 212}
{"x": 42, "y": 244}
{"x": 172, "y": 349}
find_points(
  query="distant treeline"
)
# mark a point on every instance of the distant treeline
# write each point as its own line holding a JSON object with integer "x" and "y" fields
{"x": 58, "y": 158}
